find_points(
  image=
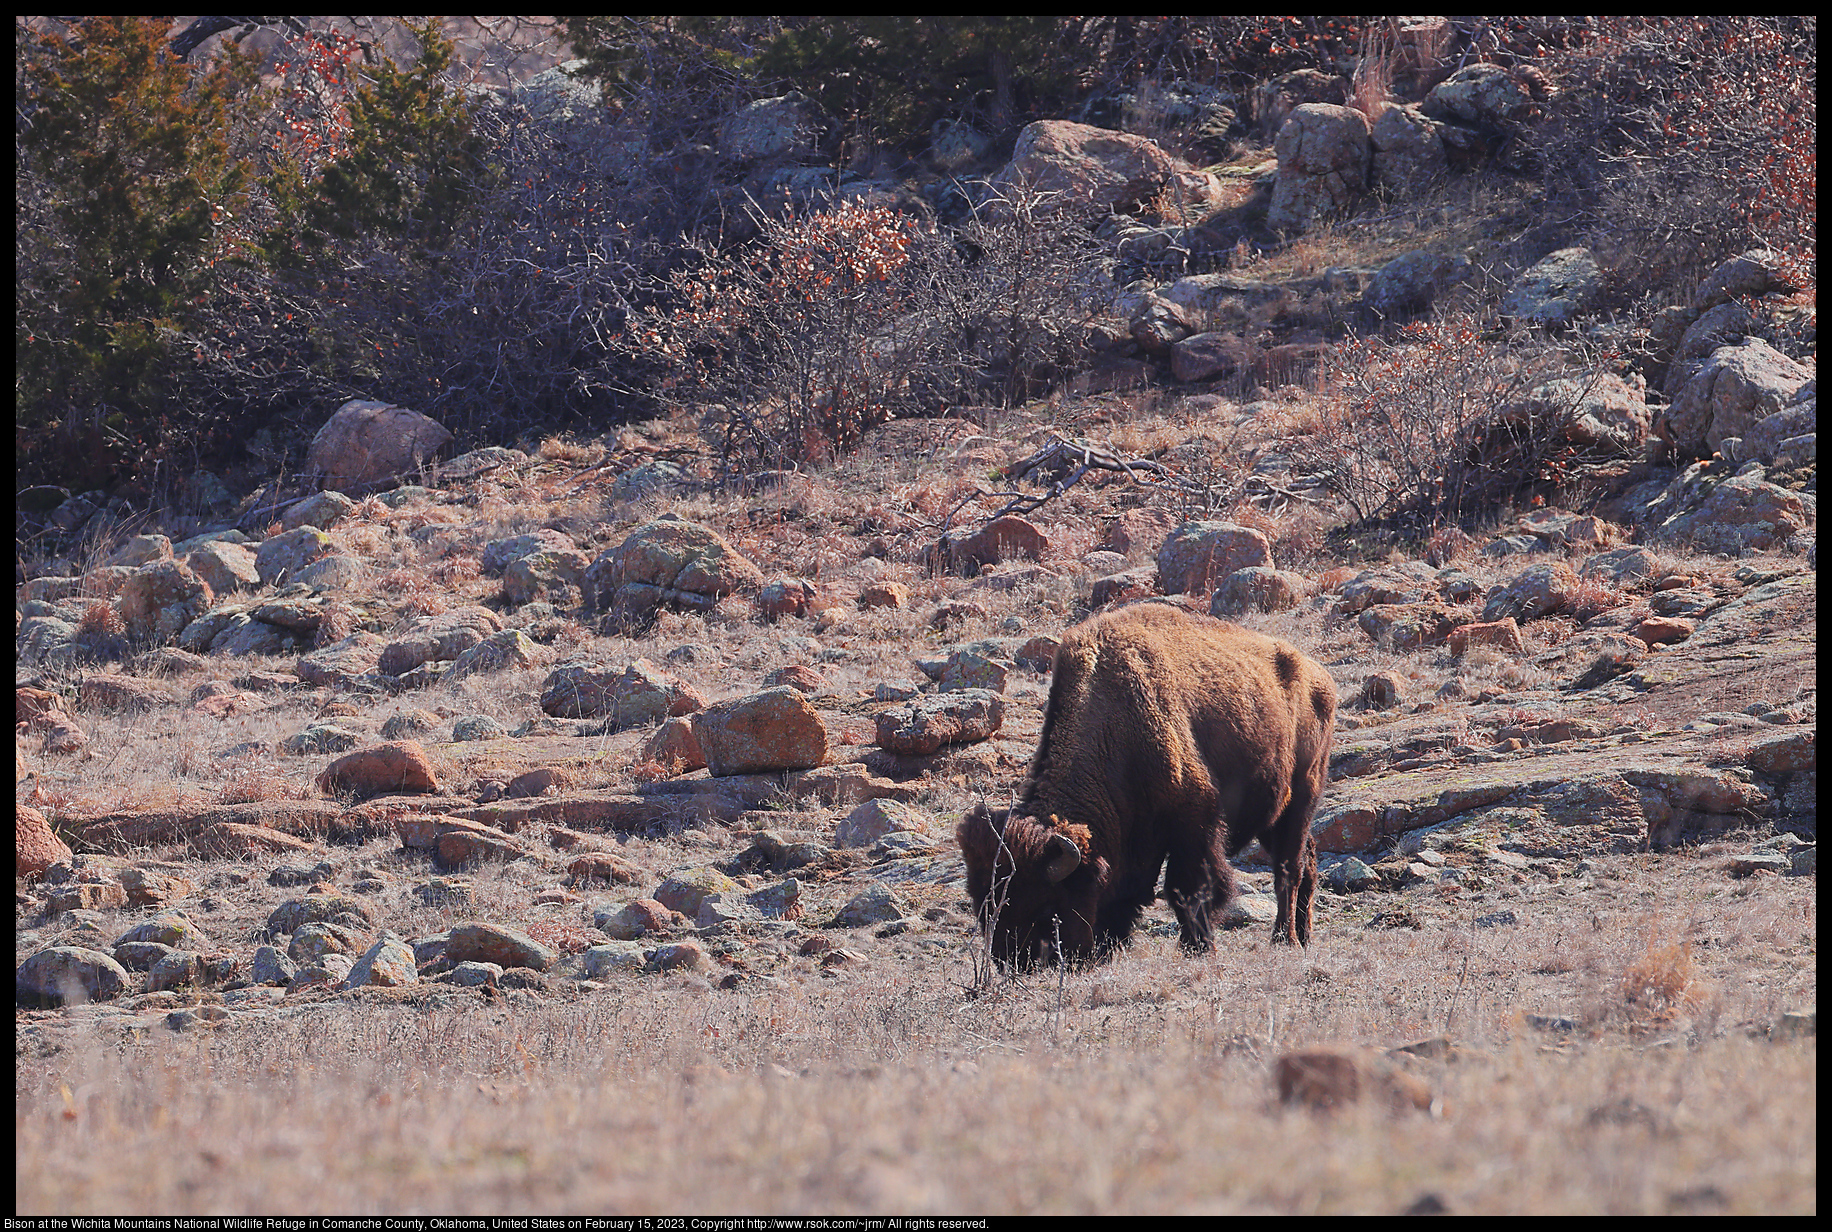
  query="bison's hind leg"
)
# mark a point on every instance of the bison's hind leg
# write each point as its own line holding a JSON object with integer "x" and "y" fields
{"x": 1294, "y": 873}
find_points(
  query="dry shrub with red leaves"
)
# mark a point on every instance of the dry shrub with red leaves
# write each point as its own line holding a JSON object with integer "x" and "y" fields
{"x": 253, "y": 785}
{"x": 101, "y": 617}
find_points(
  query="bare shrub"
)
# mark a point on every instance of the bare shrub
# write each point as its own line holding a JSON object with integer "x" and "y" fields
{"x": 834, "y": 321}
{"x": 1440, "y": 424}
{"x": 1680, "y": 141}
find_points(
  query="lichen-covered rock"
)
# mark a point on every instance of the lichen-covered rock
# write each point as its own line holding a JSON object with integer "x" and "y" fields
{"x": 1735, "y": 388}
{"x": 1258, "y": 588}
{"x": 1539, "y": 590}
{"x": 1741, "y": 514}
{"x": 312, "y": 941}
{"x": 158, "y": 600}
{"x": 872, "y": 820}
{"x": 495, "y": 943}
{"x": 1488, "y": 96}
{"x": 386, "y": 964}
{"x": 1089, "y": 170}
{"x": 1324, "y": 157}
{"x": 224, "y": 566}
{"x": 150, "y": 887}
{"x": 636, "y": 695}
{"x": 878, "y": 903}
{"x": 1002, "y": 539}
{"x": 617, "y": 955}
{"x": 321, "y": 509}
{"x": 791, "y": 126}
{"x": 68, "y": 975}
{"x": 436, "y": 638}
{"x": 364, "y": 444}
{"x": 271, "y": 966}
{"x": 926, "y": 724}
{"x": 1408, "y": 155}
{"x": 775, "y": 729}
{"x": 686, "y": 889}
{"x": 1412, "y": 281}
{"x": 499, "y": 554}
{"x": 342, "y": 662}
{"x": 674, "y": 746}
{"x": 669, "y": 562}
{"x": 1198, "y": 555}
{"x": 281, "y": 558}
{"x": 640, "y": 917}
{"x": 170, "y": 928}
{"x": 287, "y": 918}
{"x": 549, "y": 573}
{"x": 785, "y": 597}
{"x": 1556, "y": 290}
{"x": 1502, "y": 635}
{"x": 1758, "y": 272}
{"x": 511, "y": 648}
{"x": 1409, "y": 626}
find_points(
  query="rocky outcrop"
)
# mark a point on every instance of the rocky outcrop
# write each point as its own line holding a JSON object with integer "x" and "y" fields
{"x": 1091, "y": 170}
{"x": 1324, "y": 156}
{"x": 670, "y": 562}
{"x": 366, "y": 445}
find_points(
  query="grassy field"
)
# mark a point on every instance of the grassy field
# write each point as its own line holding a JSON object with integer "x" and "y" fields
{"x": 882, "y": 1086}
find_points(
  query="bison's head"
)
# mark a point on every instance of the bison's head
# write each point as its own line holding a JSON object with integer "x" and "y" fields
{"x": 1034, "y": 889}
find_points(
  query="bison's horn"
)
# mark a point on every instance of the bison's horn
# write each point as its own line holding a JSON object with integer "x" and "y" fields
{"x": 1064, "y": 857}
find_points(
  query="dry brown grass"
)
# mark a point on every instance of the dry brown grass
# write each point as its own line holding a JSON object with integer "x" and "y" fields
{"x": 1141, "y": 1087}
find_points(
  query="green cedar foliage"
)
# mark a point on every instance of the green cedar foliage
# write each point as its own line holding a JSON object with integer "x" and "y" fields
{"x": 405, "y": 162}
{"x": 898, "y": 75}
{"x": 126, "y": 192}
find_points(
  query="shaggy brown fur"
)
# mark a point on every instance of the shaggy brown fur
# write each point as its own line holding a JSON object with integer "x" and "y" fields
{"x": 1170, "y": 742}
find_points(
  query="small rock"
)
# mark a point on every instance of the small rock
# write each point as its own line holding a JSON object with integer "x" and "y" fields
{"x": 477, "y": 974}
{"x": 924, "y": 725}
{"x": 617, "y": 956}
{"x": 395, "y": 768}
{"x": 272, "y": 966}
{"x": 872, "y": 820}
{"x": 389, "y": 963}
{"x": 639, "y": 918}
{"x": 876, "y": 904}
{"x": 679, "y": 956}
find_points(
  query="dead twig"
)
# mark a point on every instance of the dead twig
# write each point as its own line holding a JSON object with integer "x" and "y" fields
{"x": 1063, "y": 463}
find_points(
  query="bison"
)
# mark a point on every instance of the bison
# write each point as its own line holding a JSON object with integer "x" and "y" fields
{"x": 1170, "y": 741}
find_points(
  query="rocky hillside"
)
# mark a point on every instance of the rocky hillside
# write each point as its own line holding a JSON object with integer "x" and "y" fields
{"x": 528, "y": 735}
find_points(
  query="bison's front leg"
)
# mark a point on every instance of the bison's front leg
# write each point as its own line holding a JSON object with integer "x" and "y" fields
{"x": 1199, "y": 882}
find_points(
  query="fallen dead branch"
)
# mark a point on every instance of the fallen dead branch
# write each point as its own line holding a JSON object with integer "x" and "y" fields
{"x": 1063, "y": 463}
